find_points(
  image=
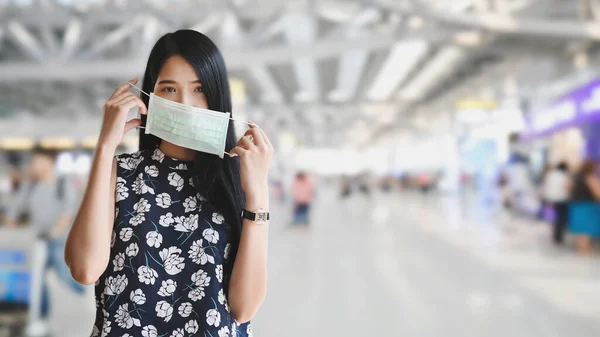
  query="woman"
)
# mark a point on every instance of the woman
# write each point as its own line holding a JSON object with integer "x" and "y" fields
{"x": 584, "y": 211}
{"x": 161, "y": 231}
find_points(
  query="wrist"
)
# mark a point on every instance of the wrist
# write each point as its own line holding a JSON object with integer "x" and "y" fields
{"x": 258, "y": 198}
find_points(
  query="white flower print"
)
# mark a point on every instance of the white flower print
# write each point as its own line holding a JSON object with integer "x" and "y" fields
{"x": 131, "y": 163}
{"x": 119, "y": 262}
{"x": 168, "y": 288}
{"x": 150, "y": 331}
{"x": 154, "y": 239}
{"x": 224, "y": 332}
{"x": 176, "y": 180}
{"x": 173, "y": 263}
{"x": 158, "y": 156}
{"x": 196, "y": 294}
{"x": 126, "y": 234}
{"x": 132, "y": 250}
{"x": 185, "y": 309}
{"x": 140, "y": 187}
{"x": 181, "y": 166}
{"x": 147, "y": 275}
{"x": 141, "y": 206}
{"x": 116, "y": 212}
{"x": 188, "y": 224}
{"x": 201, "y": 278}
{"x": 122, "y": 190}
{"x": 126, "y": 335}
{"x": 222, "y": 298}
{"x": 190, "y": 204}
{"x": 192, "y": 182}
{"x": 199, "y": 255}
{"x": 227, "y": 251}
{"x": 200, "y": 197}
{"x": 107, "y": 328}
{"x": 113, "y": 239}
{"x": 191, "y": 327}
{"x": 166, "y": 220}
{"x": 219, "y": 272}
{"x": 137, "y": 220}
{"x": 164, "y": 310}
{"x": 152, "y": 171}
{"x": 115, "y": 285}
{"x": 249, "y": 330}
{"x": 178, "y": 333}
{"x": 211, "y": 235}
{"x": 213, "y": 317}
{"x": 137, "y": 296}
{"x": 163, "y": 200}
{"x": 95, "y": 331}
{"x": 124, "y": 319}
{"x": 218, "y": 218}
{"x": 234, "y": 330}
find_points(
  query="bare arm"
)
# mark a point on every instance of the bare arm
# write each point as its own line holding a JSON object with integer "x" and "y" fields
{"x": 87, "y": 251}
{"x": 248, "y": 285}
{"x": 594, "y": 185}
{"x": 88, "y": 245}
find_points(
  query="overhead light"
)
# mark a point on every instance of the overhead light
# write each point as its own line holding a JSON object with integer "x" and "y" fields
{"x": 437, "y": 70}
{"x": 416, "y": 23}
{"x": 402, "y": 59}
{"x": 349, "y": 73}
{"x": 469, "y": 38}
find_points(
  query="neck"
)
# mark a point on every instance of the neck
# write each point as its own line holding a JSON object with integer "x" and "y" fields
{"x": 176, "y": 152}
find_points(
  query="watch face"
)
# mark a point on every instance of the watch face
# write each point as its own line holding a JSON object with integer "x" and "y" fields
{"x": 261, "y": 217}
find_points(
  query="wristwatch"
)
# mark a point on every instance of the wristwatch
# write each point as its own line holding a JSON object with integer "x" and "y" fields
{"x": 259, "y": 216}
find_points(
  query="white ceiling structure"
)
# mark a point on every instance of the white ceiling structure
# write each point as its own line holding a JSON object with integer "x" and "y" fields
{"x": 332, "y": 71}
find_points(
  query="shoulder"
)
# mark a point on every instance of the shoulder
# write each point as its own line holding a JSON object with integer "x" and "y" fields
{"x": 130, "y": 161}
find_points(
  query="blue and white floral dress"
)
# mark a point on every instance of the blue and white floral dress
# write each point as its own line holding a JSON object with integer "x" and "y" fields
{"x": 168, "y": 252}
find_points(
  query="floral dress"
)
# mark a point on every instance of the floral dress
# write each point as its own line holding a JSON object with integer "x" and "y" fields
{"x": 169, "y": 247}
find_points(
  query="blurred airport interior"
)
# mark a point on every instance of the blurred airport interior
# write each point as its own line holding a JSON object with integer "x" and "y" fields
{"x": 435, "y": 161}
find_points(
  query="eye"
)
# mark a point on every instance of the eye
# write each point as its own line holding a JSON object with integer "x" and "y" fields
{"x": 168, "y": 89}
{"x": 198, "y": 89}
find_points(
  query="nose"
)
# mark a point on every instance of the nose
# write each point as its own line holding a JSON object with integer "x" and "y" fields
{"x": 186, "y": 98}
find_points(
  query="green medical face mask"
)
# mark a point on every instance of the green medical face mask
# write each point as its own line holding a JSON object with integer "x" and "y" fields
{"x": 186, "y": 126}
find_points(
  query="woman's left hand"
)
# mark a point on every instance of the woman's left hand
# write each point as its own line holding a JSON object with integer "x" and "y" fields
{"x": 255, "y": 152}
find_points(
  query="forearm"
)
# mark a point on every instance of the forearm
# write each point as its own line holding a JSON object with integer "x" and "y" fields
{"x": 247, "y": 289}
{"x": 88, "y": 245}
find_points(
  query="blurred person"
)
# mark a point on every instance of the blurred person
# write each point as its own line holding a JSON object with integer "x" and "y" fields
{"x": 303, "y": 191}
{"x": 49, "y": 202}
{"x": 555, "y": 190}
{"x": 153, "y": 220}
{"x": 584, "y": 211}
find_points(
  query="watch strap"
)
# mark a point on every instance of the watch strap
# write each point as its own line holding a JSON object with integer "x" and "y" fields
{"x": 246, "y": 214}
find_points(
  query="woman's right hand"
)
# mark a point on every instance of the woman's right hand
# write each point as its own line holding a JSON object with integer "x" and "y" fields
{"x": 115, "y": 124}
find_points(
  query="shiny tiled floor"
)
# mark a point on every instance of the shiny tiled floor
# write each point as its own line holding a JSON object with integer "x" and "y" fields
{"x": 411, "y": 265}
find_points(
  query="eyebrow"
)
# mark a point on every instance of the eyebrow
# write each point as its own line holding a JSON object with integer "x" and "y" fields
{"x": 174, "y": 82}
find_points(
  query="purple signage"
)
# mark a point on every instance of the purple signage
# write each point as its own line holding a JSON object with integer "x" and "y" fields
{"x": 578, "y": 107}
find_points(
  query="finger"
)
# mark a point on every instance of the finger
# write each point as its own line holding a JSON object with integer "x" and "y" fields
{"x": 123, "y": 88}
{"x": 246, "y": 143}
{"x": 253, "y": 126}
{"x": 237, "y": 152}
{"x": 122, "y": 97}
{"x": 134, "y": 123}
{"x": 258, "y": 137}
{"x": 135, "y": 101}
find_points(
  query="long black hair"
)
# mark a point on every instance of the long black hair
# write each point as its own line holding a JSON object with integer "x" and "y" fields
{"x": 218, "y": 180}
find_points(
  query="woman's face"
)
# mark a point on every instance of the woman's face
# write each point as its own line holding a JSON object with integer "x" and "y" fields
{"x": 179, "y": 82}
